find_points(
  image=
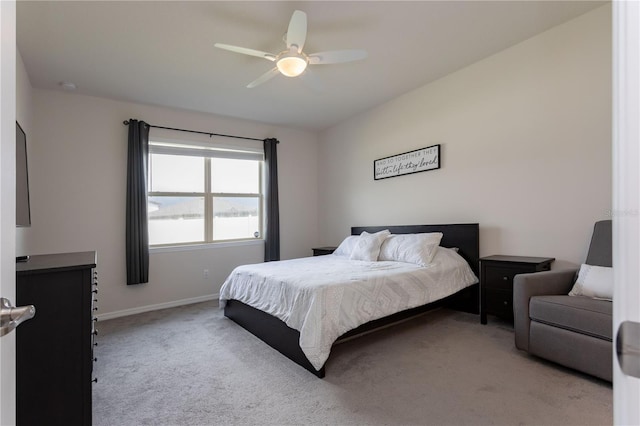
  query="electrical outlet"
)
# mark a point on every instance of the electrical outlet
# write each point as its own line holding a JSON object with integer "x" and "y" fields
{"x": 206, "y": 273}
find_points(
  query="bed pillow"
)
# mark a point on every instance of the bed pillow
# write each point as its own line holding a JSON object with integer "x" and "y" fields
{"x": 368, "y": 246}
{"x": 346, "y": 246}
{"x": 594, "y": 281}
{"x": 411, "y": 248}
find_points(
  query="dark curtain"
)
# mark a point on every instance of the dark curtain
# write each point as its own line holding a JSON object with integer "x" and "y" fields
{"x": 272, "y": 232}
{"x": 137, "y": 227}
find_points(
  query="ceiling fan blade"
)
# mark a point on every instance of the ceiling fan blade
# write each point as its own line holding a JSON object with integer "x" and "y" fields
{"x": 245, "y": 51}
{"x": 337, "y": 56}
{"x": 297, "y": 32}
{"x": 264, "y": 77}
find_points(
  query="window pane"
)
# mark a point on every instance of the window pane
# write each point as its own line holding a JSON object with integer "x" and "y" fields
{"x": 176, "y": 220}
{"x": 236, "y": 218}
{"x": 235, "y": 176}
{"x": 176, "y": 173}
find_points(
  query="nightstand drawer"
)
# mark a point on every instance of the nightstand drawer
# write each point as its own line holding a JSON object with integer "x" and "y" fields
{"x": 500, "y": 303}
{"x": 500, "y": 277}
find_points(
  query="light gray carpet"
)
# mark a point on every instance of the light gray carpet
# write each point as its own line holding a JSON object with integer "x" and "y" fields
{"x": 192, "y": 366}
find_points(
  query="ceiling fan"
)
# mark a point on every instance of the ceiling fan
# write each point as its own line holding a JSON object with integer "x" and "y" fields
{"x": 292, "y": 62}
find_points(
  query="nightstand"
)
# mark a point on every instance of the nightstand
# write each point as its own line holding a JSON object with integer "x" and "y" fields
{"x": 496, "y": 282}
{"x": 321, "y": 251}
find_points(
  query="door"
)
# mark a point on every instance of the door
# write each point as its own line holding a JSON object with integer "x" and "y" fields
{"x": 626, "y": 205}
{"x": 7, "y": 202}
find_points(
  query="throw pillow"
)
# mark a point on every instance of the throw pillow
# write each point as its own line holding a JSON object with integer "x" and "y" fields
{"x": 368, "y": 246}
{"x": 411, "y": 248}
{"x": 346, "y": 246}
{"x": 594, "y": 281}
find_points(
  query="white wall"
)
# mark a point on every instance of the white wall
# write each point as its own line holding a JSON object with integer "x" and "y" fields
{"x": 77, "y": 165}
{"x": 526, "y": 148}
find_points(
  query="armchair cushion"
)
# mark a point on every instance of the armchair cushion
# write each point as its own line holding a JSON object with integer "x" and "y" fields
{"x": 580, "y": 314}
{"x": 526, "y": 286}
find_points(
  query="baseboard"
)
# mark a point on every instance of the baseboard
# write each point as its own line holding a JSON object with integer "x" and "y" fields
{"x": 148, "y": 308}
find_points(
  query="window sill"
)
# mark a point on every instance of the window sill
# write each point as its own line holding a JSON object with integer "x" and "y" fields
{"x": 207, "y": 246}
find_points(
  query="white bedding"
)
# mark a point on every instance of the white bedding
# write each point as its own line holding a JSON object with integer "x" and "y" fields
{"x": 323, "y": 297}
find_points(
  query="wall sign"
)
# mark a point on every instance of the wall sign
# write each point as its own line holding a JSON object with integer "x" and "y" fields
{"x": 420, "y": 160}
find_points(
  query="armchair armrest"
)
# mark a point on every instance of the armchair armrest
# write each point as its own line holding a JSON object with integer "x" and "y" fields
{"x": 525, "y": 286}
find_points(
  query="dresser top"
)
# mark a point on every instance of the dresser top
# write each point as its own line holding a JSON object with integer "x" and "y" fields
{"x": 55, "y": 262}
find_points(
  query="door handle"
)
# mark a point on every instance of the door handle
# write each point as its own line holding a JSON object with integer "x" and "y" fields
{"x": 11, "y": 317}
{"x": 628, "y": 348}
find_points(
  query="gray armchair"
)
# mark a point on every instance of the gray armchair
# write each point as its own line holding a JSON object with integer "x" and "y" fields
{"x": 574, "y": 331}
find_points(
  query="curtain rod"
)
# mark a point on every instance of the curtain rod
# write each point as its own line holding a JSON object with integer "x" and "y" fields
{"x": 126, "y": 123}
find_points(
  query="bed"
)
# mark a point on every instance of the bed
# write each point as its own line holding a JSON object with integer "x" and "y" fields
{"x": 303, "y": 338}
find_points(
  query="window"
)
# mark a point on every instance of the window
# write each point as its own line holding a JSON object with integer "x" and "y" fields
{"x": 199, "y": 194}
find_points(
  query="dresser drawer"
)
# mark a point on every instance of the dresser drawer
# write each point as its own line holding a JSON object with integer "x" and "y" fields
{"x": 499, "y": 302}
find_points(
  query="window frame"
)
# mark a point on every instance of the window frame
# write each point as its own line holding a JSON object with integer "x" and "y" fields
{"x": 159, "y": 146}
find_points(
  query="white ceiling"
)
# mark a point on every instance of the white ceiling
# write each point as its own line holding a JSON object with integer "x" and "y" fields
{"x": 162, "y": 53}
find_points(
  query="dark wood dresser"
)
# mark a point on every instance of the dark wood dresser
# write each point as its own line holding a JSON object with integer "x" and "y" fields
{"x": 496, "y": 282}
{"x": 54, "y": 350}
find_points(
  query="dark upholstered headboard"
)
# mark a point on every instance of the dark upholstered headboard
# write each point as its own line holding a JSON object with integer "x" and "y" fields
{"x": 465, "y": 236}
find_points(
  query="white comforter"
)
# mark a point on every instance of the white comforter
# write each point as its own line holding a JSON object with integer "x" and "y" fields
{"x": 323, "y": 297}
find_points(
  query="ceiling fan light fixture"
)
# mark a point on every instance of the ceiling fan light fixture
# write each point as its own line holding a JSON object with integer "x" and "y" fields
{"x": 291, "y": 66}
{"x": 292, "y": 62}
